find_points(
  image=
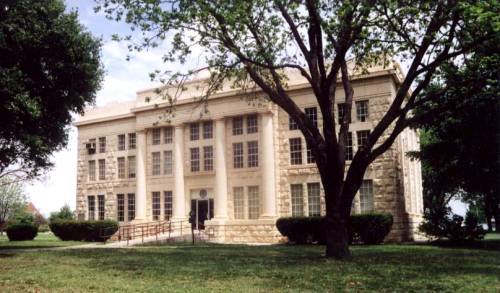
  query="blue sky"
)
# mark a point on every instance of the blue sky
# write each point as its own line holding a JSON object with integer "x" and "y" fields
{"x": 122, "y": 80}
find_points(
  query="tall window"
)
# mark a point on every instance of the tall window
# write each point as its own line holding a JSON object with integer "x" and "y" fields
{"x": 121, "y": 142}
{"x": 156, "y": 136}
{"x": 252, "y": 124}
{"x": 253, "y": 202}
{"x": 253, "y": 154}
{"x": 366, "y": 196}
{"x": 237, "y": 125}
{"x": 92, "y": 170}
{"x": 348, "y": 147}
{"x": 131, "y": 206}
{"x": 208, "y": 130}
{"x": 120, "y": 207}
{"x": 238, "y": 203}
{"x": 100, "y": 207}
{"x": 102, "y": 144}
{"x": 92, "y": 150}
{"x": 362, "y": 138}
{"x": 132, "y": 141}
{"x": 168, "y": 135}
{"x": 310, "y": 156}
{"x": 156, "y": 205}
{"x": 238, "y": 155}
{"x": 121, "y": 167}
{"x": 102, "y": 169}
{"x": 167, "y": 163}
{"x": 296, "y": 151}
{"x": 167, "y": 205}
{"x": 131, "y": 167}
{"x": 91, "y": 207}
{"x": 297, "y": 200}
{"x": 292, "y": 125}
{"x": 195, "y": 159}
{"x": 194, "y": 131}
{"x": 313, "y": 199}
{"x": 208, "y": 158}
{"x": 342, "y": 111}
{"x": 362, "y": 111}
{"x": 156, "y": 163}
{"x": 312, "y": 114}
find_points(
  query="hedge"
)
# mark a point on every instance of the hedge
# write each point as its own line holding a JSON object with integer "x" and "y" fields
{"x": 93, "y": 231}
{"x": 21, "y": 231}
{"x": 369, "y": 228}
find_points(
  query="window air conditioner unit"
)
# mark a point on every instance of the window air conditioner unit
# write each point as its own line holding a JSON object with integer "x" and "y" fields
{"x": 90, "y": 146}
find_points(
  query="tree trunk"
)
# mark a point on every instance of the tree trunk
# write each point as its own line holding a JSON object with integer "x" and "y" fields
{"x": 497, "y": 222}
{"x": 337, "y": 238}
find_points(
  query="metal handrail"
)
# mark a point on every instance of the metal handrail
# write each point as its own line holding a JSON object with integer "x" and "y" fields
{"x": 141, "y": 230}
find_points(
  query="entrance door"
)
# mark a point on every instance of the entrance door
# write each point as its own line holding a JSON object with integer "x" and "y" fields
{"x": 203, "y": 210}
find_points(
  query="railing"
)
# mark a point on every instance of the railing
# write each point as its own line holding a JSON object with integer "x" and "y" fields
{"x": 141, "y": 230}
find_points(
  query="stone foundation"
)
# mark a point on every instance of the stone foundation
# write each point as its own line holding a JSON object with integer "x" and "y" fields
{"x": 243, "y": 231}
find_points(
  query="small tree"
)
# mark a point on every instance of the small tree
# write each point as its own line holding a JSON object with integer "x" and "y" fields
{"x": 65, "y": 213}
{"x": 254, "y": 43}
{"x": 12, "y": 200}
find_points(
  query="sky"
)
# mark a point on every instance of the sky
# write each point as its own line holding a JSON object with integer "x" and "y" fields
{"x": 121, "y": 82}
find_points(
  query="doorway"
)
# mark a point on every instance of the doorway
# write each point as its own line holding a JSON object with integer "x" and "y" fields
{"x": 203, "y": 210}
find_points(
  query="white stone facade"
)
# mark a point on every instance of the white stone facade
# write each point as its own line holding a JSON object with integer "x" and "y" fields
{"x": 243, "y": 195}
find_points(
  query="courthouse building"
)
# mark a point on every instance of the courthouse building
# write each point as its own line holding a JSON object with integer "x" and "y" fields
{"x": 237, "y": 163}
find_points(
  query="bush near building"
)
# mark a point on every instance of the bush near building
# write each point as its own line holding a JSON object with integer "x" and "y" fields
{"x": 92, "y": 231}
{"x": 369, "y": 228}
{"x": 21, "y": 231}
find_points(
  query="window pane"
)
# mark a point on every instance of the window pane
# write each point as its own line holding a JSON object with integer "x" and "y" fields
{"x": 312, "y": 114}
{"x": 168, "y": 135}
{"x": 156, "y": 136}
{"x": 313, "y": 199}
{"x": 155, "y": 163}
{"x": 238, "y": 155}
{"x": 366, "y": 196}
{"x": 121, "y": 142}
{"x": 237, "y": 125}
{"x": 167, "y": 162}
{"x": 121, "y": 167}
{"x": 91, "y": 170}
{"x": 297, "y": 200}
{"x": 253, "y": 202}
{"x": 291, "y": 124}
{"x": 91, "y": 207}
{"x": 207, "y": 129}
{"x": 131, "y": 167}
{"x": 101, "y": 207}
{"x": 253, "y": 154}
{"x": 208, "y": 155}
{"x": 132, "y": 141}
{"x": 296, "y": 151}
{"x": 348, "y": 147}
{"x": 252, "y": 126}
{"x": 195, "y": 159}
{"x": 362, "y": 138}
{"x": 194, "y": 131}
{"x": 156, "y": 205}
{"x": 102, "y": 144}
{"x": 310, "y": 156}
{"x": 362, "y": 111}
{"x": 120, "y": 207}
{"x": 342, "y": 110}
{"x": 102, "y": 169}
{"x": 239, "y": 203}
{"x": 167, "y": 205}
{"x": 131, "y": 206}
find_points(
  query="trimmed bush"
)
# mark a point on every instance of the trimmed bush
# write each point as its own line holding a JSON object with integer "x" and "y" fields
{"x": 92, "y": 231}
{"x": 369, "y": 228}
{"x": 21, "y": 231}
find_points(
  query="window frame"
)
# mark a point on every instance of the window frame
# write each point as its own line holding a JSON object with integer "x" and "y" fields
{"x": 237, "y": 125}
{"x": 238, "y": 155}
{"x": 295, "y": 150}
{"x": 121, "y": 142}
{"x": 132, "y": 141}
{"x": 155, "y": 163}
{"x": 194, "y": 131}
{"x": 362, "y": 110}
{"x": 252, "y": 123}
{"x": 208, "y": 158}
{"x": 253, "y": 154}
{"x": 297, "y": 200}
{"x": 208, "y": 129}
{"x": 156, "y": 136}
{"x": 194, "y": 159}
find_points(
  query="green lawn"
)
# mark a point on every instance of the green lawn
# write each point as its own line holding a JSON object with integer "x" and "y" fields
{"x": 43, "y": 240}
{"x": 209, "y": 268}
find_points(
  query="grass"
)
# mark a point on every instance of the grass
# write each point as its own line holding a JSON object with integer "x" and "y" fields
{"x": 237, "y": 268}
{"x": 42, "y": 240}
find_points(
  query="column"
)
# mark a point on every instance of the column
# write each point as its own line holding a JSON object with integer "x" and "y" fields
{"x": 140, "y": 192}
{"x": 268, "y": 172}
{"x": 220, "y": 201}
{"x": 179, "y": 200}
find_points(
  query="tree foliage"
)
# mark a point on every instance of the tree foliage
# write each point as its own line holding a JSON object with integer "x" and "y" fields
{"x": 256, "y": 43}
{"x": 65, "y": 213}
{"x": 49, "y": 68}
{"x": 12, "y": 200}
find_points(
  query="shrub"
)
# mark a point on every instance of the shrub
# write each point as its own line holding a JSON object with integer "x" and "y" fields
{"x": 368, "y": 228}
{"x": 94, "y": 231}
{"x": 21, "y": 231}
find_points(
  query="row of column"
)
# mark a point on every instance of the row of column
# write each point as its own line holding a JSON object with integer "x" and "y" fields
{"x": 267, "y": 166}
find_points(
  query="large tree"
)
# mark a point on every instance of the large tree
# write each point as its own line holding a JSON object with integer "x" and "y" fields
{"x": 459, "y": 146}
{"x": 255, "y": 42}
{"x": 12, "y": 200}
{"x": 49, "y": 67}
